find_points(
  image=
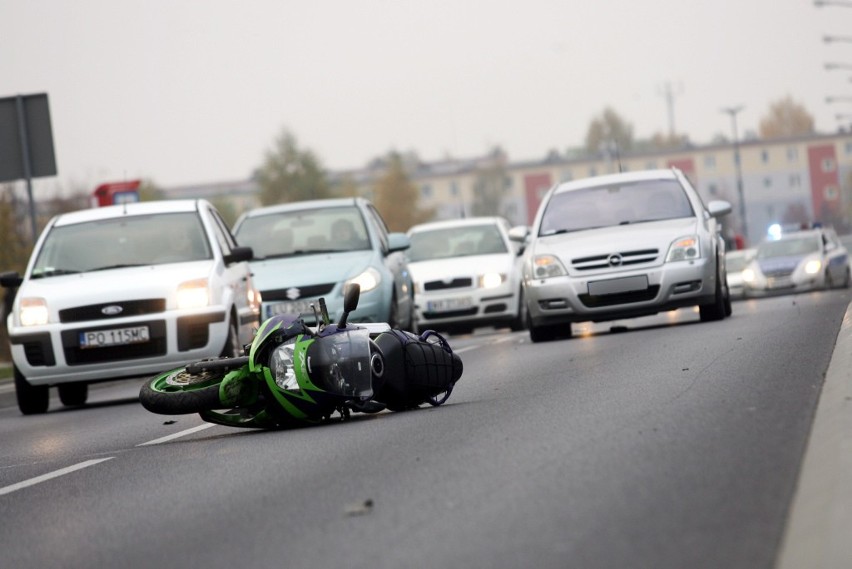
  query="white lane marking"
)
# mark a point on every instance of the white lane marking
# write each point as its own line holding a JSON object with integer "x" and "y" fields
{"x": 177, "y": 435}
{"x": 465, "y": 349}
{"x": 50, "y": 475}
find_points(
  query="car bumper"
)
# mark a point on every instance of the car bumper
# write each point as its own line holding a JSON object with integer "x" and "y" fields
{"x": 784, "y": 285}
{"x": 601, "y": 297}
{"x": 470, "y": 307}
{"x": 52, "y": 354}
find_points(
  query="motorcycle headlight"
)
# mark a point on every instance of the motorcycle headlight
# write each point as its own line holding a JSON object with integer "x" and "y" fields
{"x": 193, "y": 294}
{"x": 368, "y": 280}
{"x": 547, "y": 266}
{"x": 684, "y": 249}
{"x": 813, "y": 266}
{"x": 491, "y": 280}
{"x": 281, "y": 364}
{"x": 33, "y": 311}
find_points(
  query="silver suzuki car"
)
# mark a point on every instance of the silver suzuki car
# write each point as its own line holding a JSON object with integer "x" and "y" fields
{"x": 622, "y": 246}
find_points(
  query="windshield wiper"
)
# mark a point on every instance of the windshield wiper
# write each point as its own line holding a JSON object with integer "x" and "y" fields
{"x": 118, "y": 266}
{"x": 53, "y": 272}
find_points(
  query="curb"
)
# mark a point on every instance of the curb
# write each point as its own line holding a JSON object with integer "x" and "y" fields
{"x": 817, "y": 533}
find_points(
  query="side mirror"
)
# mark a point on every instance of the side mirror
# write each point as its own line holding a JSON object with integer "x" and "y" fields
{"x": 239, "y": 254}
{"x": 718, "y": 208}
{"x": 519, "y": 234}
{"x": 350, "y": 302}
{"x": 10, "y": 279}
{"x": 398, "y": 242}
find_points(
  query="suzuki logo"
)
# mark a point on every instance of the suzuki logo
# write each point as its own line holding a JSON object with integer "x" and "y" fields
{"x": 111, "y": 310}
{"x": 614, "y": 260}
{"x": 293, "y": 293}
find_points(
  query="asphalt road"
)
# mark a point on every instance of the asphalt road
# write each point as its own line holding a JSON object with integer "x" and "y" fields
{"x": 662, "y": 442}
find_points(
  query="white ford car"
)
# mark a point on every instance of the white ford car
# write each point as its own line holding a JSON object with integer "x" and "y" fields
{"x": 126, "y": 291}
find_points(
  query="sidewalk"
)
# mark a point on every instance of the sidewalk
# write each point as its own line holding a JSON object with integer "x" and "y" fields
{"x": 820, "y": 521}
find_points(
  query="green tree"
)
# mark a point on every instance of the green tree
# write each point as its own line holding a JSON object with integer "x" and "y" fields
{"x": 396, "y": 196}
{"x": 15, "y": 231}
{"x": 607, "y": 131}
{"x": 490, "y": 184}
{"x": 149, "y": 191}
{"x": 291, "y": 174}
{"x": 786, "y": 118}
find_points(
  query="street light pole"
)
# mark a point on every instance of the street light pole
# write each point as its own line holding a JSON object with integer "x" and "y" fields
{"x": 733, "y": 112}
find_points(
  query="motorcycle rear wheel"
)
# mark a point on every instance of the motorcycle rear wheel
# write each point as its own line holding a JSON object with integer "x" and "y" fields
{"x": 178, "y": 392}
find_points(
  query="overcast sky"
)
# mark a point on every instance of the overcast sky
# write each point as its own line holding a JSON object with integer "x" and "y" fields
{"x": 185, "y": 92}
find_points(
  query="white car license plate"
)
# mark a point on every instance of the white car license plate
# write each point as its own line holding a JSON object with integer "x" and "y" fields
{"x": 616, "y": 286}
{"x": 116, "y": 337}
{"x": 449, "y": 304}
{"x": 290, "y": 307}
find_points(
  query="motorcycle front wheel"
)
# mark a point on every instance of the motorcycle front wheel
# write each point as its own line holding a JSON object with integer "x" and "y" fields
{"x": 178, "y": 392}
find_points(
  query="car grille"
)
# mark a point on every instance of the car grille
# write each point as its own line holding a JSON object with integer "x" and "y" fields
{"x": 74, "y": 355}
{"x": 296, "y": 292}
{"x": 128, "y": 308}
{"x": 596, "y": 262}
{"x": 779, "y": 273}
{"x": 592, "y": 301}
{"x": 460, "y": 282}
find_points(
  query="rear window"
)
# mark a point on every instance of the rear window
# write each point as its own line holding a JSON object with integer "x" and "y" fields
{"x": 622, "y": 204}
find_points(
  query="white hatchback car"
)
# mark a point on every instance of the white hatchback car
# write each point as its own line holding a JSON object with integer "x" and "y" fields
{"x": 126, "y": 291}
{"x": 622, "y": 246}
{"x": 466, "y": 273}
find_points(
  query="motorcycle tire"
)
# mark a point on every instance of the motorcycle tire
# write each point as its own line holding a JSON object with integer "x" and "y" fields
{"x": 178, "y": 392}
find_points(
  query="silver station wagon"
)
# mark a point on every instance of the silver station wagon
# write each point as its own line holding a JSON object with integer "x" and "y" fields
{"x": 622, "y": 246}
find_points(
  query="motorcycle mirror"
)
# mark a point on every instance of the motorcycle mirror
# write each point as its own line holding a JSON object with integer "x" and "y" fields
{"x": 350, "y": 302}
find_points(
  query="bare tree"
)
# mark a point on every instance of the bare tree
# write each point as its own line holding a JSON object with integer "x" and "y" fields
{"x": 291, "y": 174}
{"x": 396, "y": 196}
{"x": 609, "y": 129}
{"x": 786, "y": 118}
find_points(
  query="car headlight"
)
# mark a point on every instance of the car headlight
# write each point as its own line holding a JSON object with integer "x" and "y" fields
{"x": 193, "y": 294}
{"x": 748, "y": 275}
{"x": 684, "y": 249}
{"x": 813, "y": 266}
{"x": 33, "y": 311}
{"x": 547, "y": 266}
{"x": 281, "y": 364}
{"x": 491, "y": 280}
{"x": 368, "y": 280}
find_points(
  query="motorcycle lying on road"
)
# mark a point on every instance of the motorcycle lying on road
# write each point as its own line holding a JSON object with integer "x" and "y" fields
{"x": 293, "y": 374}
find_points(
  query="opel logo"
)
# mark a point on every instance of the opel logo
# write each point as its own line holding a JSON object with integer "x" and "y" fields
{"x": 111, "y": 310}
{"x": 293, "y": 293}
{"x": 614, "y": 260}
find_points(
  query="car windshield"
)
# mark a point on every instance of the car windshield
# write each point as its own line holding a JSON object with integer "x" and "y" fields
{"x": 792, "y": 247}
{"x": 622, "y": 204}
{"x": 462, "y": 241}
{"x": 304, "y": 231}
{"x": 122, "y": 242}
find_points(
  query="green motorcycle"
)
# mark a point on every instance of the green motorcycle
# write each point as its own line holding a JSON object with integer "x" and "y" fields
{"x": 293, "y": 374}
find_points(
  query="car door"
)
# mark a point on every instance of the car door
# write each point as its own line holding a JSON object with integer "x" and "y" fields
{"x": 836, "y": 257}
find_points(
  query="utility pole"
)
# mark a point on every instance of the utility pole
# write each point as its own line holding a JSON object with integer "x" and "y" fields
{"x": 732, "y": 111}
{"x": 668, "y": 94}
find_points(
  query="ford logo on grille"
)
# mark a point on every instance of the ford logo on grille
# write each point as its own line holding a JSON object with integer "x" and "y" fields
{"x": 614, "y": 260}
{"x": 111, "y": 310}
{"x": 293, "y": 293}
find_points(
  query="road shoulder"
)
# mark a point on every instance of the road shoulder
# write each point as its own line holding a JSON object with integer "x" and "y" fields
{"x": 818, "y": 528}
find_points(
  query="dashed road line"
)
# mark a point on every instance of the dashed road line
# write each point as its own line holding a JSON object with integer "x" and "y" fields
{"x": 177, "y": 435}
{"x": 50, "y": 475}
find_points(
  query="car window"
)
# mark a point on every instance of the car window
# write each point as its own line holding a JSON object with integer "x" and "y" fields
{"x": 380, "y": 225}
{"x": 121, "y": 242}
{"x": 223, "y": 235}
{"x": 463, "y": 241}
{"x": 791, "y": 247}
{"x": 305, "y": 231}
{"x": 605, "y": 206}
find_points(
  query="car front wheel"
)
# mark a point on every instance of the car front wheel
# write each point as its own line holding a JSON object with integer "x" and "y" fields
{"x": 716, "y": 309}
{"x": 32, "y": 399}
{"x": 74, "y": 394}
